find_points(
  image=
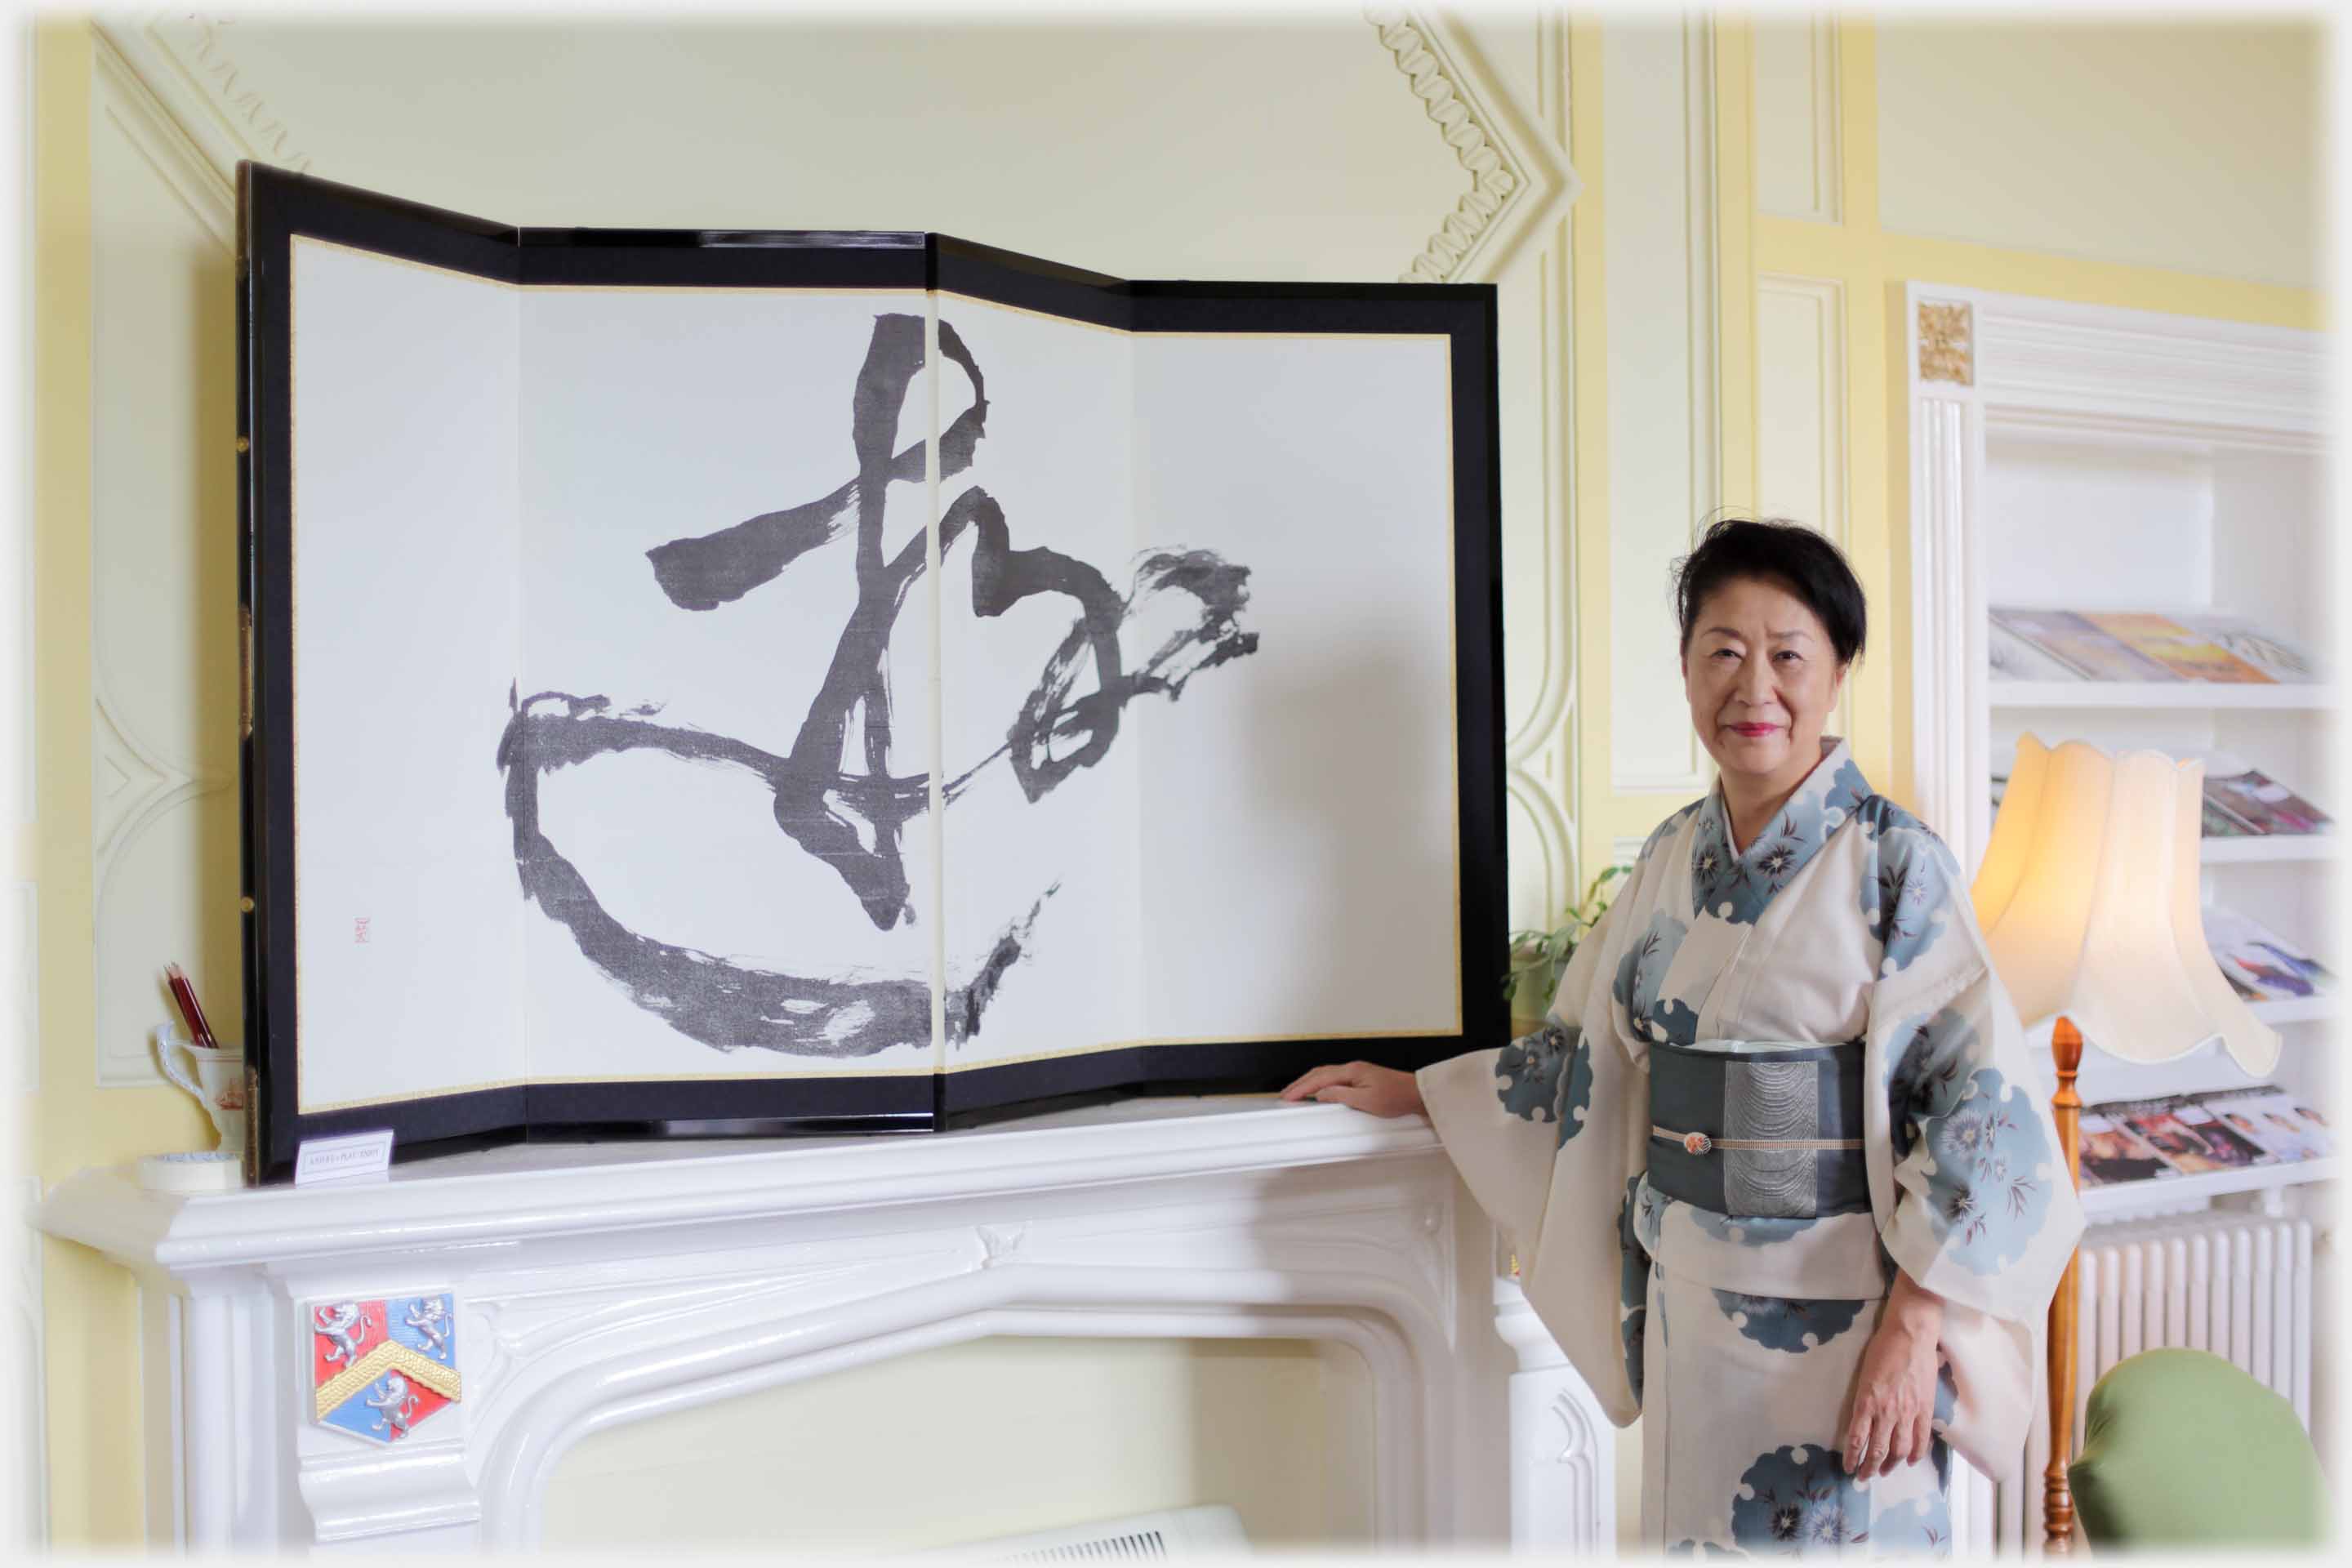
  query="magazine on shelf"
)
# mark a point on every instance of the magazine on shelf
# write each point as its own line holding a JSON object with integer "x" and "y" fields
{"x": 2223, "y": 823}
{"x": 2188, "y": 654}
{"x": 2113, "y": 1153}
{"x": 2197, "y": 1135}
{"x": 2263, "y": 804}
{"x": 2263, "y": 965}
{"x": 2013, "y": 657}
{"x": 2224, "y": 1145}
{"x": 2182, "y": 1147}
{"x": 2274, "y": 656}
{"x": 2267, "y": 1117}
{"x": 2074, "y": 641}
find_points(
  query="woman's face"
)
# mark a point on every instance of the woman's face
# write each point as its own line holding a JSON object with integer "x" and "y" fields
{"x": 1762, "y": 678}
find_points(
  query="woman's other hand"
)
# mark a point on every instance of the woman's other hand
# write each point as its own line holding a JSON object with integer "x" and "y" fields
{"x": 1380, "y": 1091}
{"x": 1894, "y": 1392}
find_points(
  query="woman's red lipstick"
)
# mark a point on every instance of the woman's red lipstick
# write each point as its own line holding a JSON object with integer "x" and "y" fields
{"x": 1754, "y": 729}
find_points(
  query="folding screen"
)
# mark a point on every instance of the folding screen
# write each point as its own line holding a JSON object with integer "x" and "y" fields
{"x": 759, "y": 681}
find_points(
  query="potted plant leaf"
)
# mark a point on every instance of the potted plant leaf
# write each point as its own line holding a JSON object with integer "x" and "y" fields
{"x": 1538, "y": 958}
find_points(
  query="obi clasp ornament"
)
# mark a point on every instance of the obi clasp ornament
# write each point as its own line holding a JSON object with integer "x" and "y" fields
{"x": 1700, "y": 1143}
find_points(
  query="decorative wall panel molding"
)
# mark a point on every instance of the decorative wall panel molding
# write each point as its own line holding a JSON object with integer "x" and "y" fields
{"x": 1801, "y": 363}
{"x": 162, "y": 546}
{"x": 1540, "y": 540}
{"x": 1799, "y": 154}
{"x": 1658, "y": 149}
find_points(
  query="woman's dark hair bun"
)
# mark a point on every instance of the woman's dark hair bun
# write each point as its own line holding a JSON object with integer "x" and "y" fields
{"x": 1787, "y": 554}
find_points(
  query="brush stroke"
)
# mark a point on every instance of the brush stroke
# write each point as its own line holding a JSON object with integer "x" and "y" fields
{"x": 853, "y": 822}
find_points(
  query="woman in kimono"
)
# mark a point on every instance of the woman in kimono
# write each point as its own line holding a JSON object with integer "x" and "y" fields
{"x": 1777, "y": 1168}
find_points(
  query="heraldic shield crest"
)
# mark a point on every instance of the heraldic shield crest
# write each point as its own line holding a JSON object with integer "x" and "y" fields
{"x": 379, "y": 1368}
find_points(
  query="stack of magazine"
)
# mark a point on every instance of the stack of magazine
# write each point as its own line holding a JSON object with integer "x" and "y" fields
{"x": 2245, "y": 802}
{"x": 2114, "y": 645}
{"x": 2250, "y": 802}
{"x": 2261, "y": 965}
{"x": 2197, "y": 1134}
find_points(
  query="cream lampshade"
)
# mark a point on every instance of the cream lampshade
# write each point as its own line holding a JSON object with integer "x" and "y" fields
{"x": 2089, "y": 898}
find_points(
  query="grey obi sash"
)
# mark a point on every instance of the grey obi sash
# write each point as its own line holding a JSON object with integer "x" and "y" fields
{"x": 1774, "y": 1130}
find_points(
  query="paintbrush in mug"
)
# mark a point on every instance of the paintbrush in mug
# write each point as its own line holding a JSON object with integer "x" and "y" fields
{"x": 185, "y": 991}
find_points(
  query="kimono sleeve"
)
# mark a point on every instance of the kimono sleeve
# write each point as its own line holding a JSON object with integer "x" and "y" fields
{"x": 1549, "y": 1132}
{"x": 1968, "y": 1182}
{"x": 1504, "y": 1114}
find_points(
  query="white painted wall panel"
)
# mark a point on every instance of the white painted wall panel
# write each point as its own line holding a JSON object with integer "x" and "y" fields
{"x": 1801, "y": 382}
{"x": 163, "y": 561}
{"x": 1658, "y": 157}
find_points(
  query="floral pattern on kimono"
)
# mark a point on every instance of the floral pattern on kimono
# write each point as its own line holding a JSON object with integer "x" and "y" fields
{"x": 1799, "y": 1499}
{"x": 1547, "y": 1076}
{"x": 1846, "y": 925}
{"x": 1789, "y": 1323}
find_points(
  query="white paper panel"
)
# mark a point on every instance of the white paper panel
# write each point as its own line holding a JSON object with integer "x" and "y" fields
{"x": 1299, "y": 851}
{"x": 1058, "y": 460}
{"x": 1273, "y": 855}
{"x": 406, "y": 624}
{"x": 655, "y": 415}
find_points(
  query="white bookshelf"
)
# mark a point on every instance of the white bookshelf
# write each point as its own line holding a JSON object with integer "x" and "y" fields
{"x": 2127, "y": 696}
{"x": 2271, "y": 851}
{"x": 2298, "y": 1009}
{"x": 2128, "y": 1199}
{"x": 2093, "y": 458}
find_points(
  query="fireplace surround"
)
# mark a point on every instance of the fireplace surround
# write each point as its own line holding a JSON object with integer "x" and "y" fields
{"x": 588, "y": 1285}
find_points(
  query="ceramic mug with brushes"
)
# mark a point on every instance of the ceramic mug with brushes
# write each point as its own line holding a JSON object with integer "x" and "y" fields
{"x": 200, "y": 1064}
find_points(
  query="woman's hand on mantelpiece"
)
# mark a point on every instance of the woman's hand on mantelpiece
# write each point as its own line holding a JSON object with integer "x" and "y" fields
{"x": 1378, "y": 1091}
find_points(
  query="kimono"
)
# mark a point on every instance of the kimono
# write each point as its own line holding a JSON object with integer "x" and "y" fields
{"x": 1824, "y": 1004}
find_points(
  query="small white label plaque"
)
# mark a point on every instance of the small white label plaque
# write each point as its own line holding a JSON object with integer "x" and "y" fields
{"x": 349, "y": 1157}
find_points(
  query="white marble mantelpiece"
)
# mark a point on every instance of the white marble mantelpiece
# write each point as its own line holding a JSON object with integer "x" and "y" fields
{"x": 600, "y": 1283}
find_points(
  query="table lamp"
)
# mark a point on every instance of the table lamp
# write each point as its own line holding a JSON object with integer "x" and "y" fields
{"x": 2089, "y": 898}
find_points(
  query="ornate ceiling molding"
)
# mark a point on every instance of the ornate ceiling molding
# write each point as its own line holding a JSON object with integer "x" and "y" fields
{"x": 184, "y": 58}
{"x": 1513, "y": 183}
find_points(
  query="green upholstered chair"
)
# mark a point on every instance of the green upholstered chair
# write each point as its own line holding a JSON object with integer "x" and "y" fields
{"x": 2182, "y": 1448}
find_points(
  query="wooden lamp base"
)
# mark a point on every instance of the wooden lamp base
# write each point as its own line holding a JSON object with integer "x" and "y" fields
{"x": 2057, "y": 1497}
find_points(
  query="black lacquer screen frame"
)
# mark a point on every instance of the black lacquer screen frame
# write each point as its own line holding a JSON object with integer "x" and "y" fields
{"x": 275, "y": 205}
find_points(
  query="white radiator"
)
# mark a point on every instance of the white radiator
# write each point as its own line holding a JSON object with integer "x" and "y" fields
{"x": 2236, "y": 1284}
{"x": 1211, "y": 1529}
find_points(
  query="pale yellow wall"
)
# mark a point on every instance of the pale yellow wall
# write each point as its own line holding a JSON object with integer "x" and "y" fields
{"x": 91, "y": 1309}
{"x": 1831, "y": 127}
{"x": 2195, "y": 145}
{"x": 1999, "y": 223}
{"x": 738, "y": 1473}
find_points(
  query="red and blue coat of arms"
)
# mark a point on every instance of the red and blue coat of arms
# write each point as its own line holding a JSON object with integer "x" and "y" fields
{"x": 378, "y": 1368}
